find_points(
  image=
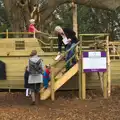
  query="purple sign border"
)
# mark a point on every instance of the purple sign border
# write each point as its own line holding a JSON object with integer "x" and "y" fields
{"x": 103, "y": 54}
{"x": 85, "y": 55}
{"x": 94, "y": 70}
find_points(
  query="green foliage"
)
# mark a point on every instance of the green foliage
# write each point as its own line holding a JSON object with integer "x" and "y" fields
{"x": 4, "y": 23}
{"x": 90, "y": 20}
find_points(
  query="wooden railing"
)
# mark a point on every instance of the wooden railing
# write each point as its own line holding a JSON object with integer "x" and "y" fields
{"x": 53, "y": 66}
{"x": 114, "y": 49}
{"x": 7, "y": 33}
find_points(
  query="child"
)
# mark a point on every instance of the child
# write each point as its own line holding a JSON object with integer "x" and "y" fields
{"x": 46, "y": 76}
{"x": 32, "y": 28}
{"x": 26, "y": 85}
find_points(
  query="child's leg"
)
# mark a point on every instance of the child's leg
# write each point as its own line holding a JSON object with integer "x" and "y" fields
{"x": 45, "y": 83}
{"x": 27, "y": 92}
{"x": 33, "y": 98}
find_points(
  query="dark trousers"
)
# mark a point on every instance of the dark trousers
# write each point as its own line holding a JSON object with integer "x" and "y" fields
{"x": 45, "y": 82}
{"x": 69, "y": 55}
{"x": 26, "y": 76}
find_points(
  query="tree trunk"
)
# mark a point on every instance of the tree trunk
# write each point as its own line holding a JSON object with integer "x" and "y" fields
{"x": 18, "y": 14}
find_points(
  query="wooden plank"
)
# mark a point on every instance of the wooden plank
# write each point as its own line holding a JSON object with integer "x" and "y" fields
{"x": 115, "y": 77}
{"x": 115, "y": 69}
{"x": 115, "y": 43}
{"x": 115, "y": 63}
{"x": 115, "y": 73}
{"x": 41, "y": 54}
{"x": 100, "y": 34}
{"x": 105, "y": 85}
{"x": 15, "y": 78}
{"x": 9, "y": 45}
{"x": 19, "y": 74}
{"x": 116, "y": 81}
{"x": 83, "y": 85}
{"x": 52, "y": 85}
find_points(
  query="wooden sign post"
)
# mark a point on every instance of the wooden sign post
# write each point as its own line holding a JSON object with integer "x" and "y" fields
{"x": 94, "y": 62}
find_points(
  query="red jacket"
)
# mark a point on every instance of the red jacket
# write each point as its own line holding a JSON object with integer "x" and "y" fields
{"x": 46, "y": 74}
{"x": 31, "y": 28}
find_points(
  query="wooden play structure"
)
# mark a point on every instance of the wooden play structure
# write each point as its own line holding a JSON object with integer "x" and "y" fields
{"x": 15, "y": 53}
{"x": 87, "y": 45}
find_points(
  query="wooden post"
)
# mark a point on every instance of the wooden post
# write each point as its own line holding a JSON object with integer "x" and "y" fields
{"x": 75, "y": 24}
{"x": 83, "y": 80}
{"x": 80, "y": 69}
{"x": 83, "y": 85}
{"x": 51, "y": 45}
{"x": 7, "y": 33}
{"x": 108, "y": 67}
{"x": 80, "y": 77}
{"x": 105, "y": 85}
{"x": 101, "y": 80}
{"x": 34, "y": 35}
{"x": 52, "y": 85}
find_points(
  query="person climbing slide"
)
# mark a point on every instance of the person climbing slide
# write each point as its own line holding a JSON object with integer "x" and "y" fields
{"x": 46, "y": 76}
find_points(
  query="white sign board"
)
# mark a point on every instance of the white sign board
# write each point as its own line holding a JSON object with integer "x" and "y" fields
{"x": 94, "y": 61}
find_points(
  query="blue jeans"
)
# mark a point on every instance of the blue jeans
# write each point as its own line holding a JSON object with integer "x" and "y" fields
{"x": 46, "y": 79}
{"x": 45, "y": 82}
{"x": 69, "y": 55}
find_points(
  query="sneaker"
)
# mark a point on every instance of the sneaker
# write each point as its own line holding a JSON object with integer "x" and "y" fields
{"x": 27, "y": 92}
{"x": 46, "y": 88}
{"x": 58, "y": 56}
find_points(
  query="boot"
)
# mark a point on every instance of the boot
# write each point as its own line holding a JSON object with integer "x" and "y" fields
{"x": 37, "y": 98}
{"x": 33, "y": 98}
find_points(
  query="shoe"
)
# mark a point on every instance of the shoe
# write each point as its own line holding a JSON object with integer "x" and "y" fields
{"x": 58, "y": 56}
{"x": 33, "y": 103}
{"x": 27, "y": 92}
{"x": 37, "y": 98}
{"x": 46, "y": 88}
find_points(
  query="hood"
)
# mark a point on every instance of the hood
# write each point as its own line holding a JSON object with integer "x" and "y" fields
{"x": 34, "y": 58}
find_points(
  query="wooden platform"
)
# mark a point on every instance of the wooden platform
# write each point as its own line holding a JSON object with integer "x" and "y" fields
{"x": 19, "y": 46}
{"x": 15, "y": 53}
{"x": 15, "y": 56}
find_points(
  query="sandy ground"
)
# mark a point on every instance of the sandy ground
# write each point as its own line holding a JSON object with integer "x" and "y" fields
{"x": 15, "y": 106}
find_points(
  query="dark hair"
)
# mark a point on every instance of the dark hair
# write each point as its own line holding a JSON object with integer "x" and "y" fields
{"x": 34, "y": 52}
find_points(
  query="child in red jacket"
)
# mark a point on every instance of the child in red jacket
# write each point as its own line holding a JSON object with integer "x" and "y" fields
{"x": 46, "y": 76}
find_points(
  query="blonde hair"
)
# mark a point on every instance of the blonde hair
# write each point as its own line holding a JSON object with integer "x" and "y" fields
{"x": 32, "y": 20}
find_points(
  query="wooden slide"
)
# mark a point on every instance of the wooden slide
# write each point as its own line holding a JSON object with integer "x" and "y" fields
{"x": 46, "y": 93}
